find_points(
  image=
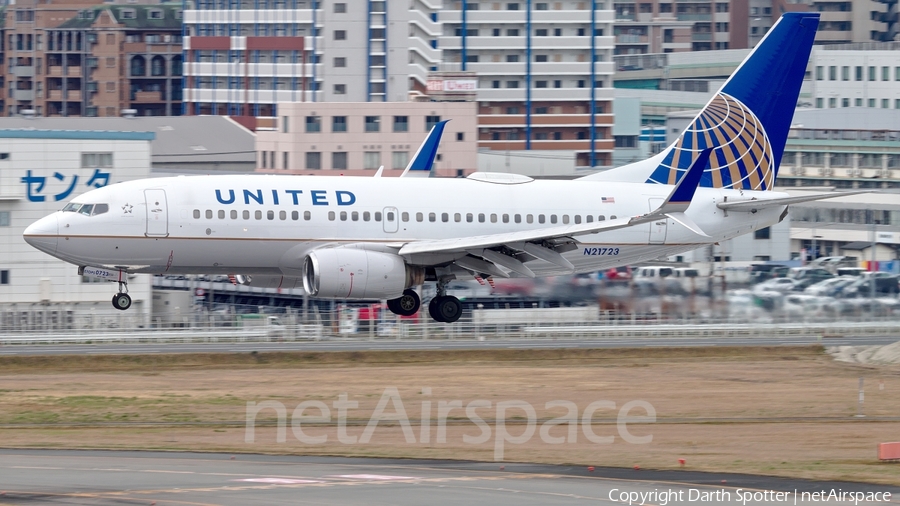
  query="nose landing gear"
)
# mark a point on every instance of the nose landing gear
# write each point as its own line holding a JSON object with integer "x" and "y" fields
{"x": 122, "y": 300}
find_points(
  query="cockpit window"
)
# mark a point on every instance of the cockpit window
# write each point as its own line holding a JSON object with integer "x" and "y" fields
{"x": 71, "y": 207}
{"x": 86, "y": 209}
{"x": 100, "y": 209}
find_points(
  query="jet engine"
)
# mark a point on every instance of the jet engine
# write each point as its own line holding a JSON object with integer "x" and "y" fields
{"x": 350, "y": 273}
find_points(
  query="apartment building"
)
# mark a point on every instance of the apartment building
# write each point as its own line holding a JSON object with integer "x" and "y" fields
{"x": 544, "y": 74}
{"x": 663, "y": 26}
{"x": 77, "y": 59}
{"x": 856, "y": 75}
{"x": 245, "y": 57}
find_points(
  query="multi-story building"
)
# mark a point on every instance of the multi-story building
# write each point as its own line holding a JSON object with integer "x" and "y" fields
{"x": 856, "y": 75}
{"x": 661, "y": 26}
{"x": 72, "y": 58}
{"x": 245, "y": 58}
{"x": 544, "y": 72}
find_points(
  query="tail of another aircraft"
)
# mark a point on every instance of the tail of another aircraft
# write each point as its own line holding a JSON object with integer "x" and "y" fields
{"x": 746, "y": 123}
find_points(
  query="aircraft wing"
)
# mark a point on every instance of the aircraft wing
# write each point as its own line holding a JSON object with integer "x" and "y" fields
{"x": 751, "y": 206}
{"x": 541, "y": 243}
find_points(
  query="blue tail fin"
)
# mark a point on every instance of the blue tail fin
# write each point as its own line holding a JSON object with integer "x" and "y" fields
{"x": 746, "y": 123}
{"x": 423, "y": 160}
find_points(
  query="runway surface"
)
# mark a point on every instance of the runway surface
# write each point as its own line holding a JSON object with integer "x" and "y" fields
{"x": 154, "y": 478}
{"x": 444, "y": 344}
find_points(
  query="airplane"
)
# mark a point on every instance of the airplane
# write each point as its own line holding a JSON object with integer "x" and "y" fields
{"x": 364, "y": 238}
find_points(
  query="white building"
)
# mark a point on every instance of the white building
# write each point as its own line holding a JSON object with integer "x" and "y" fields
{"x": 856, "y": 75}
{"x": 544, "y": 74}
{"x": 252, "y": 55}
{"x": 41, "y": 170}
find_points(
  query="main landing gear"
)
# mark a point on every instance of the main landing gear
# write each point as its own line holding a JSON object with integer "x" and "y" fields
{"x": 122, "y": 300}
{"x": 443, "y": 308}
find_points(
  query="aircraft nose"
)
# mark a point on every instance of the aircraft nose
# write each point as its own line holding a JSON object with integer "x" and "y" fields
{"x": 43, "y": 234}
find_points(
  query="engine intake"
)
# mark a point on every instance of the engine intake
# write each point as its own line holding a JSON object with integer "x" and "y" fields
{"x": 350, "y": 273}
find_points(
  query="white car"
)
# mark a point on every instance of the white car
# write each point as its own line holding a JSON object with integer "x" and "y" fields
{"x": 828, "y": 286}
{"x": 781, "y": 285}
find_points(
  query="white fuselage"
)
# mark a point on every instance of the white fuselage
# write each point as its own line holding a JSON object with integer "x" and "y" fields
{"x": 266, "y": 224}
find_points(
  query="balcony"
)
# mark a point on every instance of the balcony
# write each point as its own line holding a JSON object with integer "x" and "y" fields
{"x": 701, "y": 37}
{"x": 54, "y": 94}
{"x": 73, "y": 95}
{"x": 147, "y": 97}
{"x": 73, "y": 71}
{"x": 631, "y": 39}
{"x": 23, "y": 71}
{"x": 687, "y": 16}
{"x": 55, "y": 71}
{"x": 23, "y": 95}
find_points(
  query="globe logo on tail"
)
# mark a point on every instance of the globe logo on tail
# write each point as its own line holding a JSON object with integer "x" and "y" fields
{"x": 741, "y": 157}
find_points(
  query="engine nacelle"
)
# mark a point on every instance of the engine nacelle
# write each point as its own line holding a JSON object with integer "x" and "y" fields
{"x": 350, "y": 273}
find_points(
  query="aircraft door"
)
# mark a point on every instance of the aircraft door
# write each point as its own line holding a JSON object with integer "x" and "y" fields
{"x": 391, "y": 220}
{"x": 157, "y": 213}
{"x": 657, "y": 227}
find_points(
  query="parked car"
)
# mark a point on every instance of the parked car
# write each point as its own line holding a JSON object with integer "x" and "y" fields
{"x": 829, "y": 286}
{"x": 884, "y": 287}
{"x": 781, "y": 285}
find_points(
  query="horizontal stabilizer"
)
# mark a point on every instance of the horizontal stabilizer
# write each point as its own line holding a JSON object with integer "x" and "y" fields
{"x": 754, "y": 205}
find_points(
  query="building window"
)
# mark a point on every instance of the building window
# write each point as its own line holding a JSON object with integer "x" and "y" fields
{"x": 512, "y": 58}
{"x": 284, "y": 160}
{"x": 399, "y": 159}
{"x": 460, "y": 136}
{"x": 431, "y": 122}
{"x": 540, "y": 58}
{"x": 4, "y": 277}
{"x": 340, "y": 62}
{"x": 340, "y": 89}
{"x": 371, "y": 159}
{"x": 373, "y": 123}
{"x": 512, "y": 84}
{"x": 832, "y": 73}
{"x": 820, "y": 73}
{"x": 92, "y": 160}
{"x": 872, "y": 71}
{"x": 339, "y": 160}
{"x": 4, "y": 218}
{"x": 313, "y": 160}
{"x": 340, "y": 35}
{"x": 313, "y": 124}
{"x": 763, "y": 233}
{"x": 512, "y": 6}
{"x": 845, "y": 73}
{"x": 339, "y": 124}
{"x": 401, "y": 123}
{"x": 340, "y": 8}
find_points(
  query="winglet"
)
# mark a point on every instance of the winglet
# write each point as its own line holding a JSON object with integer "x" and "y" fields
{"x": 681, "y": 196}
{"x": 422, "y": 161}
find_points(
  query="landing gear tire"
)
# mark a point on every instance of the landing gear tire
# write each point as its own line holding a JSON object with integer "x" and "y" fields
{"x": 447, "y": 309}
{"x": 432, "y": 309}
{"x": 407, "y": 304}
{"x": 121, "y": 301}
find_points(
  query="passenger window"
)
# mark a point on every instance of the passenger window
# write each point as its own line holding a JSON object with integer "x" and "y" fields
{"x": 566, "y": 219}
{"x": 221, "y": 214}
{"x": 307, "y": 215}
{"x": 343, "y": 215}
{"x": 601, "y": 218}
{"x": 282, "y": 215}
{"x": 577, "y": 219}
{"x": 517, "y": 218}
{"x": 541, "y": 218}
{"x": 505, "y": 218}
{"x": 480, "y": 217}
{"x": 377, "y": 216}
{"x": 246, "y": 215}
{"x": 432, "y": 217}
{"x": 552, "y": 218}
{"x": 419, "y": 217}
{"x": 469, "y": 218}
{"x": 367, "y": 216}
{"x": 589, "y": 218}
{"x": 270, "y": 215}
{"x": 493, "y": 218}
{"x": 233, "y": 214}
{"x": 354, "y": 216}
{"x": 445, "y": 217}
{"x": 258, "y": 215}
{"x": 612, "y": 216}
{"x": 389, "y": 216}
{"x": 404, "y": 216}
{"x": 457, "y": 217}
{"x": 100, "y": 209}
{"x": 295, "y": 215}
{"x": 196, "y": 213}
{"x": 330, "y": 215}
{"x": 209, "y": 214}
{"x": 529, "y": 218}
{"x": 87, "y": 208}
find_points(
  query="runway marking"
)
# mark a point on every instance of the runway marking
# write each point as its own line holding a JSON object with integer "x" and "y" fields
{"x": 279, "y": 481}
{"x": 376, "y": 477}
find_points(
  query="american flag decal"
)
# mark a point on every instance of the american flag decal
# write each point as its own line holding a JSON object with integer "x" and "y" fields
{"x": 608, "y": 200}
